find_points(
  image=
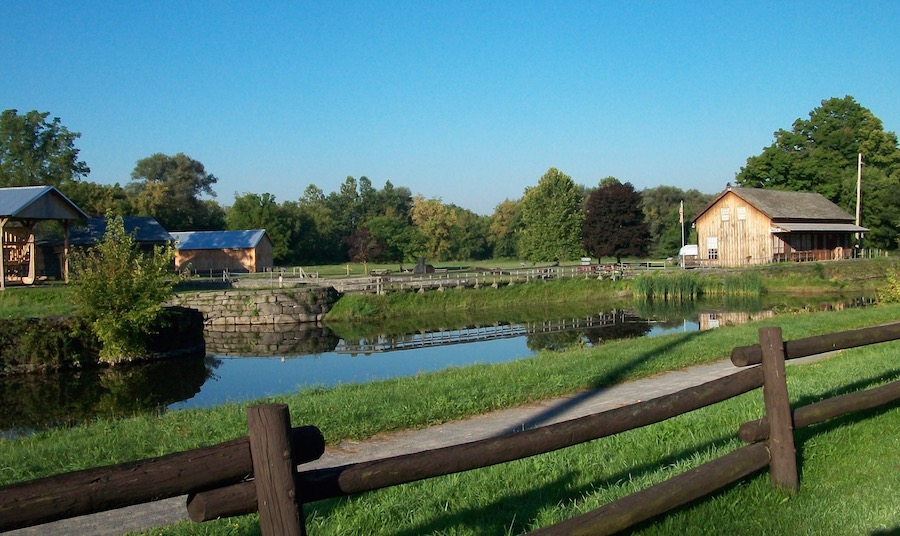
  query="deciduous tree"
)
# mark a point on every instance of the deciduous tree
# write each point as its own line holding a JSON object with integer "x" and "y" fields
{"x": 35, "y": 151}
{"x": 614, "y": 223}
{"x": 169, "y": 188}
{"x": 551, "y": 219}
{"x": 820, "y": 154}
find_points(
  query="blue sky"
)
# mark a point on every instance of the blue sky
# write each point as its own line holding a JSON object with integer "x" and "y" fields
{"x": 469, "y": 102}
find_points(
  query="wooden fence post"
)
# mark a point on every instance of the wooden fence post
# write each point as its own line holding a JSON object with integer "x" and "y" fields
{"x": 783, "y": 467}
{"x": 280, "y": 513}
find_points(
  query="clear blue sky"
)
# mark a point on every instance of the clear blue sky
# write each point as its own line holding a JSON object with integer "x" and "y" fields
{"x": 469, "y": 102}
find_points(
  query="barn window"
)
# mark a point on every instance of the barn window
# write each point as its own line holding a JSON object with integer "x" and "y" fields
{"x": 726, "y": 215}
{"x": 742, "y": 213}
{"x": 712, "y": 247}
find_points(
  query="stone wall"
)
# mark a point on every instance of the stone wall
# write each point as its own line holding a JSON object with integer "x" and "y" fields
{"x": 260, "y": 307}
{"x": 272, "y": 340}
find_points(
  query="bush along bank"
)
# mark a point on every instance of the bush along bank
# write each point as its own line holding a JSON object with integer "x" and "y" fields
{"x": 58, "y": 343}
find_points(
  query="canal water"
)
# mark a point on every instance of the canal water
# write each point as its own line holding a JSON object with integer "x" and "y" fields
{"x": 243, "y": 365}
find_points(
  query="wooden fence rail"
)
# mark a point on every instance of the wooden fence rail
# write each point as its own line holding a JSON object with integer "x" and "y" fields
{"x": 217, "y": 478}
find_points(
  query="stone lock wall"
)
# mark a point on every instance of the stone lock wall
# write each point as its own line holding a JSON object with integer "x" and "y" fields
{"x": 260, "y": 307}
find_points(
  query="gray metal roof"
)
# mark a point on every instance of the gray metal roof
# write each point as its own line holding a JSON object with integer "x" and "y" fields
{"x": 37, "y": 203}
{"x": 785, "y": 227}
{"x": 146, "y": 230}
{"x": 218, "y": 239}
{"x": 784, "y": 205}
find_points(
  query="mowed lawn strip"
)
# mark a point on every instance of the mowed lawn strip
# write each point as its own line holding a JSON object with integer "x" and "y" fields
{"x": 357, "y": 411}
{"x": 849, "y": 475}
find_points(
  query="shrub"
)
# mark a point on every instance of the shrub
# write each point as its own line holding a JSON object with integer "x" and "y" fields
{"x": 120, "y": 291}
{"x": 891, "y": 291}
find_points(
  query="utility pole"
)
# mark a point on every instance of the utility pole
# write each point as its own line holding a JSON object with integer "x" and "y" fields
{"x": 858, "y": 194}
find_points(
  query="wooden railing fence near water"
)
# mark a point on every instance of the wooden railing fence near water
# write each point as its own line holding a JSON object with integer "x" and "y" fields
{"x": 218, "y": 481}
{"x": 443, "y": 280}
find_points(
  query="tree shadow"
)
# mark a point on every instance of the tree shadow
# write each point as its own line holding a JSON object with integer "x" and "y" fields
{"x": 526, "y": 507}
{"x": 613, "y": 377}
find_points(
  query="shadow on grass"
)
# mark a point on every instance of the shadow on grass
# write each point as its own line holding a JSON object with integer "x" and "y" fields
{"x": 522, "y": 509}
{"x": 610, "y": 378}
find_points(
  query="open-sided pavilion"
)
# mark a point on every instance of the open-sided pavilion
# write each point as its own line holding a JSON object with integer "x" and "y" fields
{"x": 21, "y": 208}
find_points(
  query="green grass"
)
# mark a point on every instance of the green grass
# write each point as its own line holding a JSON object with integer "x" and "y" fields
{"x": 849, "y": 475}
{"x": 23, "y": 302}
{"x": 357, "y": 411}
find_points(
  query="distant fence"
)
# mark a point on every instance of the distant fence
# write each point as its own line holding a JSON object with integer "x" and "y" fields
{"x": 443, "y": 280}
{"x": 217, "y": 478}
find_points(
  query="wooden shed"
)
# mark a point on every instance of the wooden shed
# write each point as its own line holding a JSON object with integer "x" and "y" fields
{"x": 21, "y": 209}
{"x": 217, "y": 251}
{"x": 753, "y": 225}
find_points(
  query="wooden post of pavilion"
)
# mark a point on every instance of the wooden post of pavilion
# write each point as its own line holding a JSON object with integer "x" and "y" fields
{"x": 2, "y": 255}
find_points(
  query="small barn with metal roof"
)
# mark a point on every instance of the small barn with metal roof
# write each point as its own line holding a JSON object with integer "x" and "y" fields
{"x": 217, "y": 251}
{"x": 21, "y": 208}
{"x": 147, "y": 232}
{"x": 755, "y": 225}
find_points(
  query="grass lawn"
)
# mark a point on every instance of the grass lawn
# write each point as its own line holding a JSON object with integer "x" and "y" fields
{"x": 849, "y": 475}
{"x": 837, "y": 475}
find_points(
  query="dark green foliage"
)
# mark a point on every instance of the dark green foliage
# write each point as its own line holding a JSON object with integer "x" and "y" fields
{"x": 34, "y": 151}
{"x": 32, "y": 344}
{"x": 820, "y": 154}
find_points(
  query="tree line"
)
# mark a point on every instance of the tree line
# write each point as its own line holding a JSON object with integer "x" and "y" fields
{"x": 554, "y": 220}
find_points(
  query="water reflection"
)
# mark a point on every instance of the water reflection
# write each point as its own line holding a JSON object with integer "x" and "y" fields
{"x": 248, "y": 363}
{"x": 35, "y": 401}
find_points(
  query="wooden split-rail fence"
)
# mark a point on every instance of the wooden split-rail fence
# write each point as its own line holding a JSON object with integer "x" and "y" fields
{"x": 264, "y": 471}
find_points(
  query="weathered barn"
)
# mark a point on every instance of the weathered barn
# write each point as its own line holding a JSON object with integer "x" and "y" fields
{"x": 21, "y": 209}
{"x": 753, "y": 225}
{"x": 217, "y": 251}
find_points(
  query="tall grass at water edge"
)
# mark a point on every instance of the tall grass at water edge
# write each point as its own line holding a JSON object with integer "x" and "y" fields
{"x": 687, "y": 286}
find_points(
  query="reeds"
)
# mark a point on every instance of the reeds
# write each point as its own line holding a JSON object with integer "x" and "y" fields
{"x": 668, "y": 286}
{"x": 688, "y": 286}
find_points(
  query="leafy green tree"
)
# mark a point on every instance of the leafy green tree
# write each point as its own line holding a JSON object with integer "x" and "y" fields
{"x": 121, "y": 291}
{"x": 820, "y": 154}
{"x": 614, "y": 223}
{"x": 402, "y": 241}
{"x": 435, "y": 222}
{"x": 503, "y": 229}
{"x": 322, "y": 241}
{"x": 169, "y": 188}
{"x": 255, "y": 211}
{"x": 551, "y": 219}
{"x": 35, "y": 151}
{"x": 660, "y": 206}
{"x": 96, "y": 199}
{"x": 468, "y": 236}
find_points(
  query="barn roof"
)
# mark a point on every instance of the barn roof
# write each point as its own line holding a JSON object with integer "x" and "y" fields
{"x": 781, "y": 205}
{"x": 218, "y": 239}
{"x": 37, "y": 203}
{"x": 146, "y": 230}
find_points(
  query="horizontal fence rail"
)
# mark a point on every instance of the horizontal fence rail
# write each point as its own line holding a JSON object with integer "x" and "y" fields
{"x": 115, "y": 486}
{"x": 743, "y": 356}
{"x": 327, "y": 483}
{"x": 218, "y": 483}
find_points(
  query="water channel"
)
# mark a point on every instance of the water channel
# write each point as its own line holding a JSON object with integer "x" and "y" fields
{"x": 253, "y": 363}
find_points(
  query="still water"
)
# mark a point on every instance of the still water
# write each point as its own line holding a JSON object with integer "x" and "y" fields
{"x": 270, "y": 361}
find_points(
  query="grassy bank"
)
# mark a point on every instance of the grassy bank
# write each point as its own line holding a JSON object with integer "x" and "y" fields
{"x": 357, "y": 411}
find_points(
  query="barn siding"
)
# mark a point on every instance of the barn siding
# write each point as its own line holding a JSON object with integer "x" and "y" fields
{"x": 740, "y": 241}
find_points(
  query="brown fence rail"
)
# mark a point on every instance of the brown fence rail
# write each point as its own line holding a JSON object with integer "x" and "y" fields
{"x": 218, "y": 481}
